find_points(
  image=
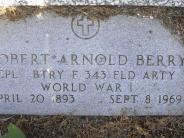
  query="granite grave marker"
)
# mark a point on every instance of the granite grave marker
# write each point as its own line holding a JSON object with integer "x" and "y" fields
{"x": 81, "y": 66}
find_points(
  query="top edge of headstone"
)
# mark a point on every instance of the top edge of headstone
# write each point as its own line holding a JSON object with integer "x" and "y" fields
{"x": 171, "y": 3}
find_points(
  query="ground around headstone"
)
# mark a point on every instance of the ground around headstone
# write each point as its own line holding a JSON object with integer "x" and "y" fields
{"x": 59, "y": 126}
{"x": 93, "y": 127}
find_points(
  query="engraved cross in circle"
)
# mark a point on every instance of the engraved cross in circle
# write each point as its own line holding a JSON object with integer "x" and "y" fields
{"x": 85, "y": 23}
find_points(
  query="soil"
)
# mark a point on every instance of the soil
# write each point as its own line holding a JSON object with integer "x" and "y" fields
{"x": 98, "y": 127}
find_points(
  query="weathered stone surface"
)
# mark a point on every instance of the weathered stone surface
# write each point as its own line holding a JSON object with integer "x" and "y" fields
{"x": 55, "y": 65}
{"x": 179, "y": 3}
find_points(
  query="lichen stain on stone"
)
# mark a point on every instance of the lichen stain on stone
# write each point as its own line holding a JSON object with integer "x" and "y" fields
{"x": 123, "y": 112}
{"x": 172, "y": 18}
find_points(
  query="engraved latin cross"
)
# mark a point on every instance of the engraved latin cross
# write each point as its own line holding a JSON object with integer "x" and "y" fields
{"x": 85, "y": 23}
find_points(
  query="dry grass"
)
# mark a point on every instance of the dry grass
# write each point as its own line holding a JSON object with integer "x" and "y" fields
{"x": 97, "y": 127}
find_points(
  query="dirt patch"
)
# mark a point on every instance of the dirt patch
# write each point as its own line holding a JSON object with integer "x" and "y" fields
{"x": 97, "y": 127}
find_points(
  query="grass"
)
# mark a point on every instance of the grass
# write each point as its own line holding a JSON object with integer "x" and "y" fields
{"x": 97, "y": 127}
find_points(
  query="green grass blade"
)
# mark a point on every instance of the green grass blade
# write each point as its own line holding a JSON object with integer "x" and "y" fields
{"x": 14, "y": 132}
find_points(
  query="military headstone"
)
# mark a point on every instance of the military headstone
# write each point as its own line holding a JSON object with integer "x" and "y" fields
{"x": 82, "y": 66}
